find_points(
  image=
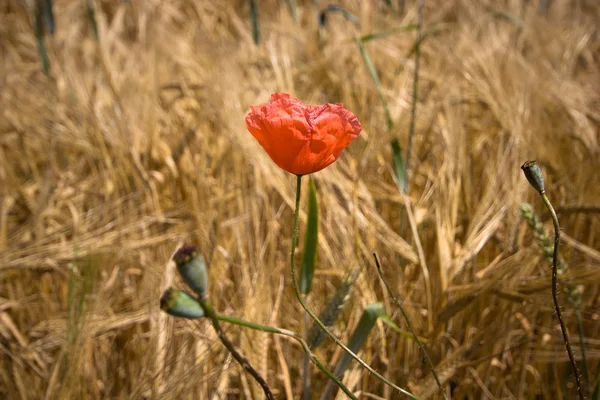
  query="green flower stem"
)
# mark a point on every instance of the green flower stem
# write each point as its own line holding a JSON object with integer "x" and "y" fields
{"x": 312, "y": 314}
{"x": 412, "y": 330}
{"x": 210, "y": 313}
{"x": 563, "y": 327}
{"x": 295, "y": 336}
{"x": 306, "y": 365}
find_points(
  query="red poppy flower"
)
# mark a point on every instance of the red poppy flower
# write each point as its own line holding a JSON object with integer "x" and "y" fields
{"x": 302, "y": 138}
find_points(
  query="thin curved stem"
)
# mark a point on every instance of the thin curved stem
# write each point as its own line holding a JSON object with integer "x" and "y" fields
{"x": 563, "y": 327}
{"x": 313, "y": 315}
{"x": 305, "y": 366}
{"x": 210, "y": 313}
{"x": 410, "y": 326}
{"x": 295, "y": 336}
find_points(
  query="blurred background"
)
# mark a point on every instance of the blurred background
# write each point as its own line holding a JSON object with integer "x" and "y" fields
{"x": 122, "y": 137}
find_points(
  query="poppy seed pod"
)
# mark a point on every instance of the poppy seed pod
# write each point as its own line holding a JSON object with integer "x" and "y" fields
{"x": 192, "y": 268}
{"x": 533, "y": 173}
{"x": 180, "y": 304}
{"x": 302, "y": 138}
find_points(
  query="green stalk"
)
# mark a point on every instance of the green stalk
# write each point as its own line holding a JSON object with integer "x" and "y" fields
{"x": 255, "y": 22}
{"x": 312, "y": 314}
{"x": 285, "y": 332}
{"x": 91, "y": 14}
{"x": 306, "y": 365}
{"x": 39, "y": 36}
{"x": 534, "y": 175}
{"x": 367, "y": 321}
{"x": 210, "y": 313}
{"x": 373, "y": 71}
{"x": 563, "y": 327}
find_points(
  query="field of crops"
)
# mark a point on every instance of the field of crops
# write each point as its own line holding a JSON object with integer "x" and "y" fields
{"x": 123, "y": 137}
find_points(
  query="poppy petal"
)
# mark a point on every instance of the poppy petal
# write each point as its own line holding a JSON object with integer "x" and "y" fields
{"x": 302, "y": 138}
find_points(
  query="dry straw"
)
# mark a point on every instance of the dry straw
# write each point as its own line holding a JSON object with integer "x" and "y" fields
{"x": 91, "y": 158}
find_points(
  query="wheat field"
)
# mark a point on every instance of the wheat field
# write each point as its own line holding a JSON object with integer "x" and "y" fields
{"x": 134, "y": 144}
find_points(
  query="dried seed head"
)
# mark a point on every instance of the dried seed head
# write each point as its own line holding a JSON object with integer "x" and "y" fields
{"x": 180, "y": 304}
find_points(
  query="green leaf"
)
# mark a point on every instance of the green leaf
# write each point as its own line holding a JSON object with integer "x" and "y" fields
{"x": 48, "y": 16}
{"x": 255, "y": 21}
{"x": 388, "y": 321}
{"x": 332, "y": 309}
{"x": 39, "y": 36}
{"x": 399, "y": 167}
{"x": 309, "y": 254}
{"x": 335, "y": 8}
{"x": 431, "y": 31}
{"x": 358, "y": 338}
{"x": 384, "y": 34}
{"x": 375, "y": 75}
{"x": 91, "y": 14}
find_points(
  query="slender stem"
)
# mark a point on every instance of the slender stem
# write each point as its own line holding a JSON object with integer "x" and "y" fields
{"x": 210, "y": 313}
{"x": 306, "y": 365}
{"x": 255, "y": 21}
{"x": 413, "y": 111}
{"x": 91, "y": 13}
{"x": 410, "y": 326}
{"x": 563, "y": 327}
{"x": 312, "y": 314}
{"x": 295, "y": 336}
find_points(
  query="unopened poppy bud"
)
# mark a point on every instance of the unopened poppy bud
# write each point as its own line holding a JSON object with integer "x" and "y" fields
{"x": 533, "y": 173}
{"x": 180, "y": 304}
{"x": 192, "y": 268}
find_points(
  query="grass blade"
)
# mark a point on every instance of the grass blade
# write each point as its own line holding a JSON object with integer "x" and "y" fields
{"x": 332, "y": 310}
{"x": 255, "y": 21}
{"x": 91, "y": 14}
{"x": 48, "y": 16}
{"x": 388, "y": 321}
{"x": 309, "y": 255}
{"x": 307, "y": 269}
{"x": 371, "y": 67}
{"x": 39, "y": 36}
{"x": 358, "y": 338}
{"x": 384, "y": 34}
{"x": 434, "y": 29}
{"x": 333, "y": 8}
{"x": 399, "y": 167}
